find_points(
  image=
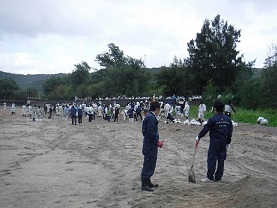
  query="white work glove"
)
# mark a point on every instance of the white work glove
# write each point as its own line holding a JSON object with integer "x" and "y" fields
{"x": 158, "y": 117}
{"x": 196, "y": 138}
{"x": 228, "y": 146}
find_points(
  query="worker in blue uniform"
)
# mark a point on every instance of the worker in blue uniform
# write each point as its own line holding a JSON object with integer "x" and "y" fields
{"x": 151, "y": 143}
{"x": 220, "y": 128}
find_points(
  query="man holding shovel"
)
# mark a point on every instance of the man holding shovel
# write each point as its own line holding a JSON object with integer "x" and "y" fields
{"x": 150, "y": 146}
{"x": 221, "y": 128}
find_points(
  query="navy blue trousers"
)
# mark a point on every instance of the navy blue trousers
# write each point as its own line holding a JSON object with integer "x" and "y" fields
{"x": 73, "y": 118}
{"x": 216, "y": 157}
{"x": 149, "y": 164}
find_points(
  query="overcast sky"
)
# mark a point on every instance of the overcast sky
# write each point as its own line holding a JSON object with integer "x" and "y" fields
{"x": 50, "y": 36}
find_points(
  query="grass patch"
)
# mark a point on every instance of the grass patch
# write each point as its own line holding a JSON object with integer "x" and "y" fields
{"x": 251, "y": 116}
{"x": 242, "y": 115}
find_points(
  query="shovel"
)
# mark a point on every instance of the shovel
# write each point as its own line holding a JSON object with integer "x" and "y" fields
{"x": 191, "y": 171}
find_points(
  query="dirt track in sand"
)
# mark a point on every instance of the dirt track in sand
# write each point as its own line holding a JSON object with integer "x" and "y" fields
{"x": 54, "y": 164}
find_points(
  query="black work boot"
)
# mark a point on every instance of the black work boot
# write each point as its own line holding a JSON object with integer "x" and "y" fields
{"x": 144, "y": 185}
{"x": 151, "y": 185}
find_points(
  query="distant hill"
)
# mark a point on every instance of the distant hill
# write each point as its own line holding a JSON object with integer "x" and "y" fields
{"x": 26, "y": 81}
{"x": 36, "y": 80}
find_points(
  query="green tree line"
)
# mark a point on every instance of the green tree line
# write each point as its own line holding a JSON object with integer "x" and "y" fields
{"x": 214, "y": 69}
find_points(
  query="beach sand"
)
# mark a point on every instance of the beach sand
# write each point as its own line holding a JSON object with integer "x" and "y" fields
{"x": 55, "y": 164}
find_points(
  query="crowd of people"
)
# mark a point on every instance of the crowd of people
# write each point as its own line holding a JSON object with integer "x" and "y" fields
{"x": 77, "y": 111}
{"x": 112, "y": 111}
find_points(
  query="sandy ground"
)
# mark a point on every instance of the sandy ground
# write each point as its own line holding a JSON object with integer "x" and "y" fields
{"x": 54, "y": 164}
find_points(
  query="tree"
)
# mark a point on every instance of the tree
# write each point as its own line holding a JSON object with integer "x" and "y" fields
{"x": 51, "y": 84}
{"x": 174, "y": 79}
{"x": 8, "y": 89}
{"x": 80, "y": 74}
{"x": 98, "y": 76}
{"x": 123, "y": 75}
{"x": 113, "y": 58}
{"x": 250, "y": 94}
{"x": 126, "y": 80}
{"x": 97, "y": 90}
{"x": 210, "y": 93}
{"x": 269, "y": 78}
{"x": 213, "y": 55}
{"x": 271, "y": 60}
{"x": 32, "y": 92}
{"x": 134, "y": 63}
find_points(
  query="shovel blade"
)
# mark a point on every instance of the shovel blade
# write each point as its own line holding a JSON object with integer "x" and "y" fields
{"x": 191, "y": 176}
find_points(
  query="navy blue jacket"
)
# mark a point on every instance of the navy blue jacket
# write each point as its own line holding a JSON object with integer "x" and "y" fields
{"x": 220, "y": 127}
{"x": 73, "y": 111}
{"x": 150, "y": 133}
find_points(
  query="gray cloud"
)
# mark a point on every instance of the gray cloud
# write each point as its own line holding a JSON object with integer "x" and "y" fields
{"x": 32, "y": 17}
{"x": 31, "y": 31}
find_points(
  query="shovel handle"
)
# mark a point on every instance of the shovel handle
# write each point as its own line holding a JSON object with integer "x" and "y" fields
{"x": 196, "y": 143}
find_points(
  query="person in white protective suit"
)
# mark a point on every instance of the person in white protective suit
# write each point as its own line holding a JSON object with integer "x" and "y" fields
{"x": 186, "y": 110}
{"x": 38, "y": 114}
{"x": 201, "y": 112}
{"x": 13, "y": 108}
{"x": 34, "y": 113}
{"x": 30, "y": 111}
{"x": 167, "y": 108}
{"x": 24, "y": 111}
{"x": 65, "y": 112}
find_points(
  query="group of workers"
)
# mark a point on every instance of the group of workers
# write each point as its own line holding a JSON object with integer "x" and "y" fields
{"x": 220, "y": 127}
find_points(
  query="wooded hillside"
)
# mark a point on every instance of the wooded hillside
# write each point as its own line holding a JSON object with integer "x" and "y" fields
{"x": 29, "y": 80}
